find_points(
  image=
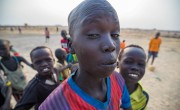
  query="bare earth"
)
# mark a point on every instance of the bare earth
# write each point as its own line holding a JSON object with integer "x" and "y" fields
{"x": 163, "y": 85}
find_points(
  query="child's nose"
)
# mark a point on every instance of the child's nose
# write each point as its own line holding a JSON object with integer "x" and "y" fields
{"x": 44, "y": 63}
{"x": 109, "y": 45}
{"x": 135, "y": 67}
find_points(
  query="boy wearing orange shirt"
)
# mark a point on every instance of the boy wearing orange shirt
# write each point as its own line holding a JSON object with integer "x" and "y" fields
{"x": 154, "y": 46}
{"x": 123, "y": 44}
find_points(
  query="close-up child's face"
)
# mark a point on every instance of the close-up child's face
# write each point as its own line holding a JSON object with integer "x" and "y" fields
{"x": 96, "y": 44}
{"x": 132, "y": 64}
{"x": 43, "y": 61}
{"x": 4, "y": 49}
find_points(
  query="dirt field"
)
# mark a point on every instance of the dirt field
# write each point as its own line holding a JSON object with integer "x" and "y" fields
{"x": 163, "y": 85}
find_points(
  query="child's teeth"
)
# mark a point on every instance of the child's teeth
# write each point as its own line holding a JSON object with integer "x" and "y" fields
{"x": 45, "y": 69}
{"x": 134, "y": 75}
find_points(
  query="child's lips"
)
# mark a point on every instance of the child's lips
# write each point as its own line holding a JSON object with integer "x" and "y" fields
{"x": 110, "y": 64}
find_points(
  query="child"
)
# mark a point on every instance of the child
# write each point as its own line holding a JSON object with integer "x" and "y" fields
{"x": 11, "y": 65}
{"x": 19, "y": 29}
{"x": 154, "y": 46}
{"x": 47, "y": 34}
{"x": 94, "y": 29}
{"x": 64, "y": 41}
{"x": 71, "y": 57}
{"x": 123, "y": 44}
{"x": 132, "y": 63}
{"x": 43, "y": 83}
{"x": 62, "y": 65}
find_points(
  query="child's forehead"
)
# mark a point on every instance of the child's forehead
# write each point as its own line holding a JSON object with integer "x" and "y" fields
{"x": 41, "y": 52}
{"x": 98, "y": 16}
{"x": 90, "y": 9}
{"x": 133, "y": 51}
{"x": 60, "y": 50}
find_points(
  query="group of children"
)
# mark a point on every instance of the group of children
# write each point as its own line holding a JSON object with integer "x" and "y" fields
{"x": 93, "y": 85}
{"x": 48, "y": 75}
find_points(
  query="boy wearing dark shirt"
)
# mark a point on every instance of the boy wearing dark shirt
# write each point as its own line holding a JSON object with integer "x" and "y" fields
{"x": 43, "y": 83}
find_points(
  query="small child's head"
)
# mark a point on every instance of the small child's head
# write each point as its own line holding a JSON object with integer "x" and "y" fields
{"x": 64, "y": 34}
{"x": 4, "y": 48}
{"x": 42, "y": 60}
{"x": 124, "y": 40}
{"x": 94, "y": 29}
{"x": 46, "y": 28}
{"x": 132, "y": 63}
{"x": 60, "y": 54}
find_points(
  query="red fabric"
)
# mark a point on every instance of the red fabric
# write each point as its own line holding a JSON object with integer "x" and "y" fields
{"x": 116, "y": 93}
{"x": 64, "y": 43}
{"x": 16, "y": 54}
{"x": 76, "y": 103}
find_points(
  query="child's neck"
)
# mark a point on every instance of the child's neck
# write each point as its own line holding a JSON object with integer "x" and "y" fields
{"x": 92, "y": 86}
{"x": 83, "y": 78}
{"x": 131, "y": 87}
{"x": 46, "y": 76}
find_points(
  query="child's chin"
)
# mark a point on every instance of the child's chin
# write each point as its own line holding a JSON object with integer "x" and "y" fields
{"x": 133, "y": 81}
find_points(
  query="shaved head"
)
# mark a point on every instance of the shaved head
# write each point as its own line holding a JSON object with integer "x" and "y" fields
{"x": 89, "y": 9}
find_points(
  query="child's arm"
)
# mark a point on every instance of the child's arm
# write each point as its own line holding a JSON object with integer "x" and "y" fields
{"x": 22, "y": 59}
{"x": 63, "y": 68}
{"x": 126, "y": 102}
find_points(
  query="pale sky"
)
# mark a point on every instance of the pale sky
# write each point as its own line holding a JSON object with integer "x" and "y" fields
{"x": 145, "y": 14}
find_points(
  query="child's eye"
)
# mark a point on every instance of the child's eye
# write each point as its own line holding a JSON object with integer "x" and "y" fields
{"x": 49, "y": 60}
{"x": 115, "y": 35}
{"x": 142, "y": 64}
{"x": 93, "y": 36}
{"x": 38, "y": 62}
{"x": 128, "y": 61}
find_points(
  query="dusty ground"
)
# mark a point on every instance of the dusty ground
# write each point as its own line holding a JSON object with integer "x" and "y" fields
{"x": 163, "y": 85}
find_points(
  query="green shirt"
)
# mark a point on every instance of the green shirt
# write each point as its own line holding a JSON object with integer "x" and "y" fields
{"x": 139, "y": 99}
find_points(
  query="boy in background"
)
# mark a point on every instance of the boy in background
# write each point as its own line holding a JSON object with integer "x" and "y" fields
{"x": 62, "y": 66}
{"x": 43, "y": 83}
{"x": 11, "y": 66}
{"x": 64, "y": 40}
{"x": 47, "y": 34}
{"x": 154, "y": 46}
{"x": 132, "y": 63}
